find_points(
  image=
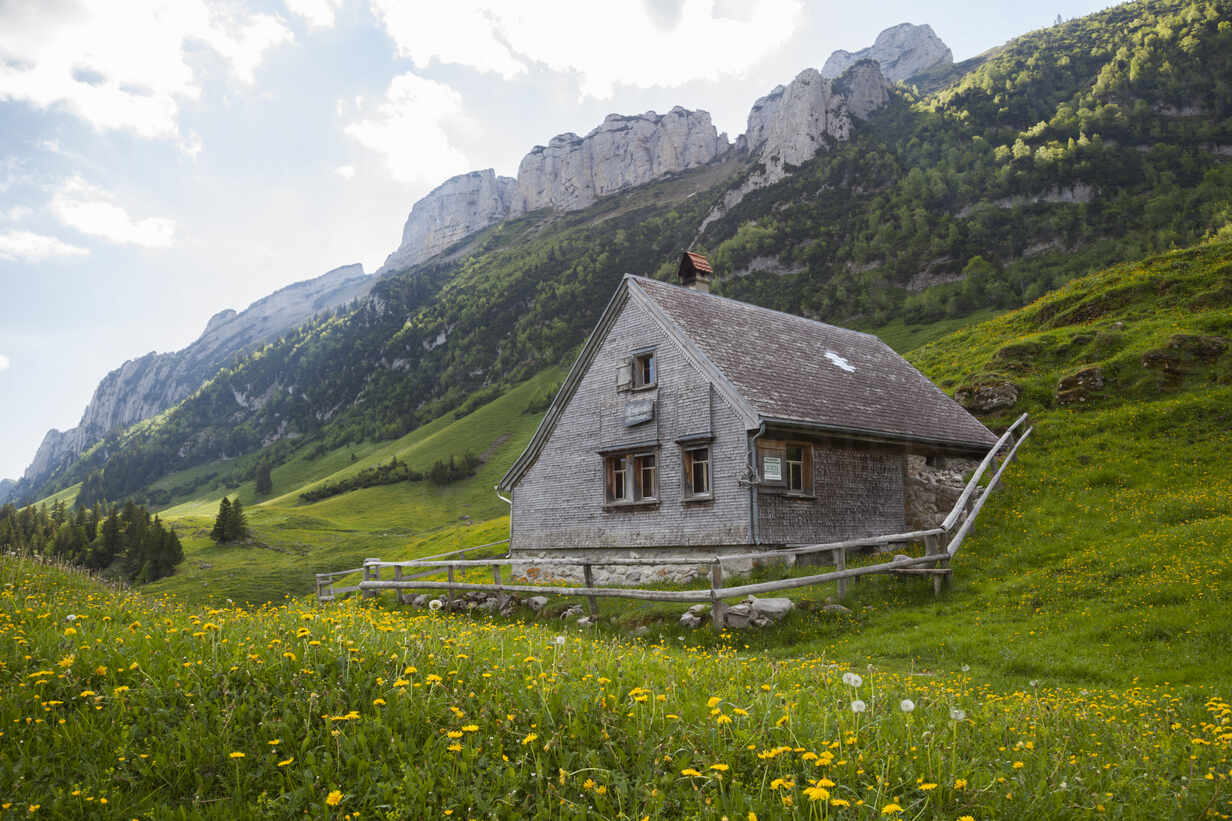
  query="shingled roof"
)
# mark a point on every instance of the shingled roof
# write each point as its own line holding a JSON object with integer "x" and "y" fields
{"x": 796, "y": 371}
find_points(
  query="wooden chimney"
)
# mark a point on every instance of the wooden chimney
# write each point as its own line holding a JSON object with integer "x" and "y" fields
{"x": 695, "y": 272}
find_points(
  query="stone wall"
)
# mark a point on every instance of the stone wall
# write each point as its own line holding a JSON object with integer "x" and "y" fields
{"x": 559, "y": 504}
{"x": 932, "y": 491}
{"x": 858, "y": 491}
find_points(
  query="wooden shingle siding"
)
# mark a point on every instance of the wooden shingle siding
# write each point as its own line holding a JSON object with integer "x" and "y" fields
{"x": 559, "y": 503}
{"x": 858, "y": 492}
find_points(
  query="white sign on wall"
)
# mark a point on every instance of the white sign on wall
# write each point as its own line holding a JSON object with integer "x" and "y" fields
{"x": 772, "y": 468}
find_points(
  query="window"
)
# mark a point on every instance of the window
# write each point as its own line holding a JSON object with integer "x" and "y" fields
{"x": 795, "y": 468}
{"x": 786, "y": 466}
{"x": 644, "y": 371}
{"x": 632, "y": 478}
{"x": 697, "y": 472}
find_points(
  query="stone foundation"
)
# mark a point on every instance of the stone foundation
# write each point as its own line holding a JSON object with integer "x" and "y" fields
{"x": 525, "y": 569}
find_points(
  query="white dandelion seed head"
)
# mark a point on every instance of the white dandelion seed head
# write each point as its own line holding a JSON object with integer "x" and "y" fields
{"x": 957, "y": 714}
{"x": 1034, "y": 682}
{"x": 71, "y": 617}
{"x": 560, "y": 640}
{"x": 906, "y": 705}
{"x": 858, "y": 706}
{"x": 435, "y": 604}
{"x": 852, "y": 679}
{"x": 966, "y": 668}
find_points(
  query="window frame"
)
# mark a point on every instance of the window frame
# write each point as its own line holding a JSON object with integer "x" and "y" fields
{"x": 638, "y": 363}
{"x": 688, "y": 465}
{"x": 779, "y": 449}
{"x": 631, "y": 467}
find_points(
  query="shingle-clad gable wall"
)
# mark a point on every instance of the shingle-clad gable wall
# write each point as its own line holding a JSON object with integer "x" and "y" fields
{"x": 559, "y": 502}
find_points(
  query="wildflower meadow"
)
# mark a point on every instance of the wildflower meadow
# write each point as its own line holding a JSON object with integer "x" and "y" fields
{"x": 118, "y": 705}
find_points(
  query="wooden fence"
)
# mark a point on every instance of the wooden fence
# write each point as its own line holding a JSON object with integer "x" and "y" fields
{"x": 940, "y": 546}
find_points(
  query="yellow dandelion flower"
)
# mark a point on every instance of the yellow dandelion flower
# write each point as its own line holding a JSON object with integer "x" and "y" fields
{"x": 891, "y": 809}
{"x": 455, "y": 747}
{"x": 378, "y": 702}
{"x": 236, "y": 755}
{"x": 928, "y": 786}
{"x": 454, "y": 734}
{"x": 720, "y": 767}
{"x": 713, "y": 701}
{"x": 410, "y": 671}
{"x": 334, "y": 798}
{"x": 530, "y": 737}
{"x": 689, "y": 771}
{"x": 960, "y": 783}
{"x": 470, "y": 728}
{"x": 966, "y": 818}
{"x": 286, "y": 761}
{"x": 1018, "y": 765}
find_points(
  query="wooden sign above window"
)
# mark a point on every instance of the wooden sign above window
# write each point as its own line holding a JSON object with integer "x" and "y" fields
{"x": 638, "y": 411}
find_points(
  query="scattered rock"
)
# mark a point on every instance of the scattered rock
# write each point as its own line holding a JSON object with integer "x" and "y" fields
{"x": 641, "y": 630}
{"x": 1081, "y": 386}
{"x": 738, "y": 616}
{"x": 690, "y": 621}
{"x": 585, "y": 621}
{"x": 1206, "y": 348}
{"x": 1165, "y": 360}
{"x": 537, "y": 603}
{"x": 836, "y": 608}
{"x": 573, "y": 612}
{"x": 773, "y": 609}
{"x": 699, "y": 609}
{"x": 420, "y": 601}
{"x": 987, "y": 397}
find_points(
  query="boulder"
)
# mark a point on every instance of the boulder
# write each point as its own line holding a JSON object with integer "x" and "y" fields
{"x": 420, "y": 601}
{"x": 1206, "y": 348}
{"x": 837, "y": 609}
{"x": 987, "y": 397}
{"x": 690, "y": 621}
{"x": 537, "y": 603}
{"x": 773, "y": 609}
{"x": 738, "y": 616}
{"x": 1081, "y": 386}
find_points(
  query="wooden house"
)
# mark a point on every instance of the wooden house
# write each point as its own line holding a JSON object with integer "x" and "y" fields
{"x": 690, "y": 421}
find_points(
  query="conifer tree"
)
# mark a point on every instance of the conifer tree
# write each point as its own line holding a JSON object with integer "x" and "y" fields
{"x": 219, "y": 533}
{"x": 237, "y": 522}
{"x": 265, "y": 483}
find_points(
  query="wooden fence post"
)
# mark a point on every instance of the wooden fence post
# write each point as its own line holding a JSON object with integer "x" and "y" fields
{"x": 840, "y": 563}
{"x": 592, "y": 601}
{"x": 932, "y": 547}
{"x": 500, "y": 594}
{"x": 399, "y": 593}
{"x": 449, "y": 591}
{"x": 371, "y": 573}
{"x": 716, "y": 604}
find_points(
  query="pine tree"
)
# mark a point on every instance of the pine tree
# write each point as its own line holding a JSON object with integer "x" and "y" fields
{"x": 219, "y": 533}
{"x": 236, "y": 527}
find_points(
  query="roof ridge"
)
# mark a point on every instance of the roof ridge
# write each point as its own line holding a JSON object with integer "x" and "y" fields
{"x": 750, "y": 305}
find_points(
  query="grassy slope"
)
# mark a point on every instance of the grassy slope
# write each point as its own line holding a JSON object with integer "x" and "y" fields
{"x": 292, "y": 540}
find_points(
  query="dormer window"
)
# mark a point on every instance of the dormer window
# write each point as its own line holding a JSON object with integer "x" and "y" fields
{"x": 645, "y": 373}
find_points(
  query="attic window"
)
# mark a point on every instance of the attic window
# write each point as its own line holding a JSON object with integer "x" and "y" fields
{"x": 645, "y": 372}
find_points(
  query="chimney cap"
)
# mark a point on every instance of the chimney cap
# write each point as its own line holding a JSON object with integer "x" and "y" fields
{"x": 693, "y": 267}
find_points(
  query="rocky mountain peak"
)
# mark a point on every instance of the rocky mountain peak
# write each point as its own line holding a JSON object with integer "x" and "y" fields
{"x": 223, "y": 316}
{"x": 902, "y": 51}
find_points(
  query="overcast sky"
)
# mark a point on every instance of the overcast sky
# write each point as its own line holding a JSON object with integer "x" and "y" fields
{"x": 162, "y": 161}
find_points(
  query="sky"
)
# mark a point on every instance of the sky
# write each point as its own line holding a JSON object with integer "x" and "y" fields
{"x": 162, "y": 161}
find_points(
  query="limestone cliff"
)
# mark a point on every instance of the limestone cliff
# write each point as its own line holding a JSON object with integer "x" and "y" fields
{"x": 571, "y": 172}
{"x": 902, "y": 51}
{"x": 788, "y": 126}
{"x": 142, "y": 387}
{"x": 457, "y": 207}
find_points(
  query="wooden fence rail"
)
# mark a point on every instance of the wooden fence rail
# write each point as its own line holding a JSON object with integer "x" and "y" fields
{"x": 940, "y": 545}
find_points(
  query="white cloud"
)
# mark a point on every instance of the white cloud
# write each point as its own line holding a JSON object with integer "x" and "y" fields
{"x": 605, "y": 45}
{"x": 26, "y": 246}
{"x": 318, "y": 13}
{"x": 121, "y": 66}
{"x": 347, "y": 172}
{"x": 4, "y": 362}
{"x": 410, "y": 128}
{"x": 15, "y": 214}
{"x": 91, "y": 211}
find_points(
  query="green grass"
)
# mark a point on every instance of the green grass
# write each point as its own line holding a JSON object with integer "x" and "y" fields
{"x": 165, "y": 709}
{"x": 292, "y": 540}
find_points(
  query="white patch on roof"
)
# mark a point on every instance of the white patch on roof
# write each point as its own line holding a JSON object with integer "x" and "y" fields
{"x": 840, "y": 361}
